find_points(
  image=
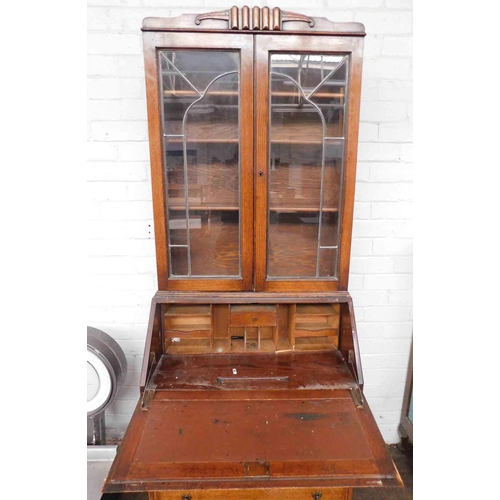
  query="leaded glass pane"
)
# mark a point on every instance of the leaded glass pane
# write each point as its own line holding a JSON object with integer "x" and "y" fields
{"x": 201, "y": 120}
{"x": 307, "y": 104}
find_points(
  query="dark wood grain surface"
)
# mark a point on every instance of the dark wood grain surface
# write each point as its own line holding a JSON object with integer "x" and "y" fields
{"x": 196, "y": 434}
{"x": 302, "y": 371}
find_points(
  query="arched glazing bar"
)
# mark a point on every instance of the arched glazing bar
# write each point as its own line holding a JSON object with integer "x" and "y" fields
{"x": 183, "y": 136}
{"x": 305, "y": 97}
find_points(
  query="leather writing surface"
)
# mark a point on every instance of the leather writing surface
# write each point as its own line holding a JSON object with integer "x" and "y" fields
{"x": 252, "y": 431}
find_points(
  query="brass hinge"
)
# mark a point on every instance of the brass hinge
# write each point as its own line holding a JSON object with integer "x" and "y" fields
{"x": 150, "y": 389}
{"x": 357, "y": 396}
{"x": 356, "y": 393}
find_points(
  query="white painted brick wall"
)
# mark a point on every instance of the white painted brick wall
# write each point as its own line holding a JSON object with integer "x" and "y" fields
{"x": 121, "y": 263}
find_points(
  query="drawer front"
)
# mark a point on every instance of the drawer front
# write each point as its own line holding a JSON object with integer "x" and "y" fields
{"x": 256, "y": 494}
{"x": 250, "y": 318}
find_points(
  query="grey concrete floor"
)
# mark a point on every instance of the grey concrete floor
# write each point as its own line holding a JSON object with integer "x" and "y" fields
{"x": 99, "y": 460}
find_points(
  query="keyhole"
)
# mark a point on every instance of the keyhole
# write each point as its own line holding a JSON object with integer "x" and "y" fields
{"x": 261, "y": 173}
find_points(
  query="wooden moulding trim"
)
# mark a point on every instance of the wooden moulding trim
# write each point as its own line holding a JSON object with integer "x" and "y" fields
{"x": 253, "y": 20}
{"x": 352, "y": 481}
{"x": 247, "y": 395}
{"x": 230, "y": 471}
{"x": 261, "y": 18}
{"x": 164, "y": 297}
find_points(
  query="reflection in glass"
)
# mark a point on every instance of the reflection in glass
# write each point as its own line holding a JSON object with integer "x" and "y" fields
{"x": 200, "y": 92}
{"x": 293, "y": 240}
{"x": 328, "y": 261}
{"x": 307, "y": 109}
{"x": 214, "y": 242}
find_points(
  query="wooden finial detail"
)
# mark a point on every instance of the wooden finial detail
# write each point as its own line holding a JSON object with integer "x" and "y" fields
{"x": 276, "y": 18}
{"x": 261, "y": 19}
{"x": 245, "y": 18}
{"x": 256, "y": 18}
{"x": 234, "y": 22}
{"x": 265, "y": 18}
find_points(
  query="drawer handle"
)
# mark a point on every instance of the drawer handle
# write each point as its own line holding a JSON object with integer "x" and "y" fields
{"x": 186, "y": 497}
{"x": 317, "y": 495}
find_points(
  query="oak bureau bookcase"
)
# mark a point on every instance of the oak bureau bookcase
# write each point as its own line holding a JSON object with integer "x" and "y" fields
{"x": 251, "y": 386}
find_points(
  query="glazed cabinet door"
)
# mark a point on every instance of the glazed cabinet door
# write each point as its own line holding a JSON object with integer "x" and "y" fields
{"x": 200, "y": 112}
{"x": 307, "y": 108}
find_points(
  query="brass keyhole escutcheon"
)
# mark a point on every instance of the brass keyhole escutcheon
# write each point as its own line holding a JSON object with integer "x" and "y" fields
{"x": 186, "y": 497}
{"x": 317, "y": 495}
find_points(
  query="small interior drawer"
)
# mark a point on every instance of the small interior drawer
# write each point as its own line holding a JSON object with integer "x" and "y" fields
{"x": 253, "y": 315}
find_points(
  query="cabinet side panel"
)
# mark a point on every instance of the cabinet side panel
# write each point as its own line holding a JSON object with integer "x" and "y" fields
{"x": 156, "y": 157}
{"x": 350, "y": 163}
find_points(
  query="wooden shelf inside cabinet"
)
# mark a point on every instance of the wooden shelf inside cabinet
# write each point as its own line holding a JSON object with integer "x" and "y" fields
{"x": 293, "y": 241}
{"x": 305, "y": 133}
{"x": 188, "y": 310}
{"x": 188, "y": 329}
{"x": 215, "y": 183}
{"x": 216, "y": 245}
{"x": 315, "y": 326}
{"x": 300, "y": 208}
{"x": 253, "y": 328}
{"x": 216, "y": 132}
{"x": 198, "y": 207}
{"x": 295, "y": 134}
{"x": 231, "y": 93}
{"x": 317, "y": 309}
{"x": 314, "y": 344}
{"x": 240, "y": 346}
